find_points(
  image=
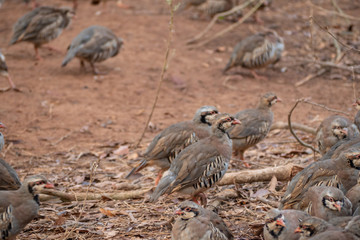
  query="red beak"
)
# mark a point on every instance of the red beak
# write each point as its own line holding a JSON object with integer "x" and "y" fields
{"x": 344, "y": 131}
{"x": 236, "y": 121}
{"x": 178, "y": 212}
{"x": 279, "y": 100}
{"x": 298, "y": 230}
{"x": 280, "y": 222}
{"x": 338, "y": 207}
{"x": 2, "y": 125}
{"x": 49, "y": 186}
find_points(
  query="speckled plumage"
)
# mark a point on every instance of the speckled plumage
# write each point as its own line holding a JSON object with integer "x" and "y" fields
{"x": 93, "y": 44}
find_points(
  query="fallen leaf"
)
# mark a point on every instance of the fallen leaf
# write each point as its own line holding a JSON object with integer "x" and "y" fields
{"x": 122, "y": 150}
{"x": 106, "y": 212}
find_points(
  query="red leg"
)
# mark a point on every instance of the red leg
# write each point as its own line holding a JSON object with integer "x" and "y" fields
{"x": 203, "y": 199}
{"x": 243, "y": 159}
{"x": 37, "y": 55}
{"x": 194, "y": 199}
{"x": 161, "y": 172}
{"x": 257, "y": 76}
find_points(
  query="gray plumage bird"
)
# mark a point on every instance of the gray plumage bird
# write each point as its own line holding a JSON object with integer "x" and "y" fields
{"x": 21, "y": 206}
{"x": 165, "y": 146}
{"x": 4, "y": 72}
{"x": 311, "y": 226}
{"x": 41, "y": 25}
{"x": 93, "y": 44}
{"x": 257, "y": 51}
{"x": 201, "y": 165}
{"x": 195, "y": 222}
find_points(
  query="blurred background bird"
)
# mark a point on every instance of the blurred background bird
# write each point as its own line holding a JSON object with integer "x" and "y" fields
{"x": 94, "y": 44}
{"x": 4, "y": 72}
{"x": 40, "y": 26}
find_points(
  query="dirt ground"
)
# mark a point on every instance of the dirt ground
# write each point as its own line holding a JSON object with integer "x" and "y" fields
{"x": 65, "y": 120}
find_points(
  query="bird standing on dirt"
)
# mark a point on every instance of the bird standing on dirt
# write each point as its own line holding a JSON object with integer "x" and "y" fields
{"x": 4, "y": 72}
{"x": 195, "y": 222}
{"x": 255, "y": 125}
{"x": 202, "y": 164}
{"x": 341, "y": 173}
{"x": 357, "y": 116}
{"x": 281, "y": 224}
{"x": 257, "y": 51}
{"x": 19, "y": 207}
{"x": 172, "y": 140}
{"x": 94, "y": 44}
{"x": 325, "y": 202}
{"x": 333, "y": 129}
{"x": 41, "y": 25}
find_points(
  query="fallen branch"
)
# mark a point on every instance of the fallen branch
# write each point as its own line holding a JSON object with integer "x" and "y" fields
{"x": 292, "y": 131}
{"x": 297, "y": 126}
{"x": 331, "y": 64}
{"x": 310, "y": 77}
{"x": 68, "y": 197}
{"x": 231, "y": 27}
{"x": 325, "y": 107}
{"x": 333, "y": 12}
{"x": 216, "y": 17}
{"x": 282, "y": 173}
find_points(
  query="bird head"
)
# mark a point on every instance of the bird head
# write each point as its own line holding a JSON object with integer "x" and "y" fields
{"x": 333, "y": 199}
{"x": 275, "y": 223}
{"x": 205, "y": 114}
{"x": 224, "y": 122}
{"x": 357, "y": 104}
{"x": 269, "y": 99}
{"x": 36, "y": 183}
{"x": 188, "y": 210}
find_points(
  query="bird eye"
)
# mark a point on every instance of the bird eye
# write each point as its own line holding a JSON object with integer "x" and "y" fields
{"x": 187, "y": 209}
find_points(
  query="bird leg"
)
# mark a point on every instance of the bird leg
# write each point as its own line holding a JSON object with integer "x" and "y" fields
{"x": 201, "y": 197}
{"x": 161, "y": 172}
{"x": 241, "y": 156}
{"x": 257, "y": 76}
{"x": 52, "y": 49}
{"x": 37, "y": 55}
{"x": 95, "y": 70}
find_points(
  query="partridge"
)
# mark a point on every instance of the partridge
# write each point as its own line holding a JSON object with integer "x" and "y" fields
{"x": 255, "y": 125}
{"x": 281, "y": 224}
{"x": 325, "y": 202}
{"x": 334, "y": 129}
{"x": 2, "y": 140}
{"x": 354, "y": 196}
{"x": 213, "y": 7}
{"x": 341, "y": 172}
{"x": 353, "y": 226}
{"x": 311, "y": 226}
{"x": 201, "y": 165}
{"x": 19, "y": 207}
{"x": 41, "y": 25}
{"x": 93, "y": 44}
{"x": 357, "y": 116}
{"x": 335, "y": 235}
{"x": 195, "y": 222}
{"x": 257, "y": 51}
{"x": 168, "y": 144}
{"x": 4, "y": 71}
{"x": 340, "y": 147}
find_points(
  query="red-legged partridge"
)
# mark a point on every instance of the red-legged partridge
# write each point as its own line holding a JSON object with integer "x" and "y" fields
{"x": 334, "y": 129}
{"x": 4, "y": 72}
{"x": 281, "y": 224}
{"x": 93, "y": 44}
{"x": 195, "y": 222}
{"x": 201, "y": 165}
{"x": 255, "y": 125}
{"x": 354, "y": 196}
{"x": 41, "y": 25}
{"x": 172, "y": 140}
{"x": 19, "y": 207}
{"x": 335, "y": 235}
{"x": 341, "y": 172}
{"x": 257, "y": 51}
{"x": 325, "y": 202}
{"x": 311, "y": 226}
{"x": 357, "y": 116}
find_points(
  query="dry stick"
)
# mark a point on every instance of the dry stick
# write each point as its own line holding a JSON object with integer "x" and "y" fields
{"x": 231, "y": 27}
{"x": 296, "y": 126}
{"x": 163, "y": 70}
{"x": 336, "y": 6}
{"x": 333, "y": 12}
{"x": 68, "y": 197}
{"x": 292, "y": 131}
{"x": 325, "y": 107}
{"x": 310, "y": 77}
{"x": 215, "y": 18}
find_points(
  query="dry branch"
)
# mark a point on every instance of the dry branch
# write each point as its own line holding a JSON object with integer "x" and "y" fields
{"x": 297, "y": 126}
{"x": 282, "y": 173}
{"x": 292, "y": 131}
{"x": 310, "y": 77}
{"x": 231, "y": 27}
{"x": 333, "y": 12}
{"x": 68, "y": 197}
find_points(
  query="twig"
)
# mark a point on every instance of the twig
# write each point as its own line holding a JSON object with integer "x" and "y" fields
{"x": 330, "y": 64}
{"x": 333, "y": 12}
{"x": 292, "y": 131}
{"x": 297, "y": 126}
{"x": 164, "y": 68}
{"x": 215, "y": 18}
{"x": 341, "y": 12}
{"x": 231, "y": 27}
{"x": 310, "y": 77}
{"x": 325, "y": 107}
{"x": 68, "y": 197}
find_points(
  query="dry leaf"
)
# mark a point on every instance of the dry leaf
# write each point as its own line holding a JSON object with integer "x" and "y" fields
{"x": 106, "y": 212}
{"x": 122, "y": 150}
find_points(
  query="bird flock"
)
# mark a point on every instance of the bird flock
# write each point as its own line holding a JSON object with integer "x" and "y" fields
{"x": 321, "y": 201}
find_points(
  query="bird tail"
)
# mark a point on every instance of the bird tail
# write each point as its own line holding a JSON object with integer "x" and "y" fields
{"x": 228, "y": 65}
{"x": 163, "y": 186}
{"x": 140, "y": 166}
{"x": 70, "y": 55}
{"x": 5, "y": 221}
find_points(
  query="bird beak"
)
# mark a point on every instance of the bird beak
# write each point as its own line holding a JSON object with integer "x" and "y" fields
{"x": 298, "y": 230}
{"x": 344, "y": 131}
{"x": 278, "y": 100}
{"x": 178, "y": 212}
{"x": 280, "y": 222}
{"x": 355, "y": 103}
{"x": 338, "y": 206}
{"x": 2, "y": 125}
{"x": 235, "y": 121}
{"x": 49, "y": 186}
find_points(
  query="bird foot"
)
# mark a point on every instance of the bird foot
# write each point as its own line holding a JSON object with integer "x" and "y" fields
{"x": 258, "y": 77}
{"x": 159, "y": 176}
